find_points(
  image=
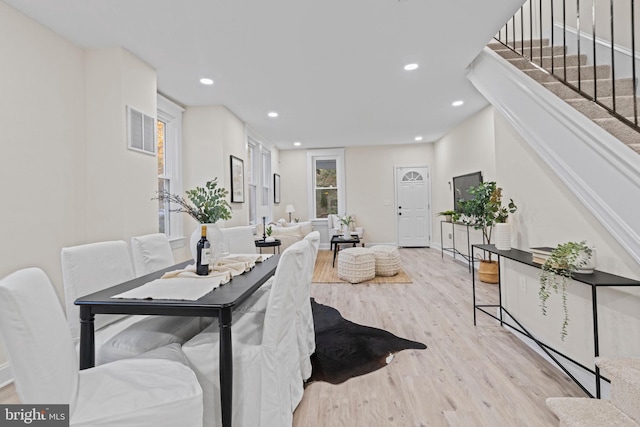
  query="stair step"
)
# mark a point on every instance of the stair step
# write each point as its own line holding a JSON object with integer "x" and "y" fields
{"x": 621, "y": 131}
{"x": 527, "y": 43}
{"x": 624, "y": 106}
{"x": 624, "y": 87}
{"x": 586, "y": 72}
{"x": 507, "y": 53}
{"x": 558, "y": 62}
{"x": 585, "y": 412}
{"x": 624, "y": 373}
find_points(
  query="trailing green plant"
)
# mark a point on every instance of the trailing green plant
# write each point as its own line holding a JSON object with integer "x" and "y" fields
{"x": 485, "y": 209}
{"x": 455, "y": 216}
{"x": 560, "y": 267}
{"x": 206, "y": 204}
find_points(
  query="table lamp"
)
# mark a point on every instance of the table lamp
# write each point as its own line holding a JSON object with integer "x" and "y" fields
{"x": 289, "y": 209}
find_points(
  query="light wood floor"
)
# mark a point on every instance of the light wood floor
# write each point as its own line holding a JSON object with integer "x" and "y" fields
{"x": 468, "y": 376}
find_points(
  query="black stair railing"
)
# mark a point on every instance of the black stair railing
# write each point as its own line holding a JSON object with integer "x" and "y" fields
{"x": 603, "y": 31}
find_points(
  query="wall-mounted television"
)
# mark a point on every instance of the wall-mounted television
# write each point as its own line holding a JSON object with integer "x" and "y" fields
{"x": 461, "y": 185}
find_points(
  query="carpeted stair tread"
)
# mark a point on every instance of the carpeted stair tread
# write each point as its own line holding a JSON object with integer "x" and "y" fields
{"x": 558, "y": 62}
{"x": 624, "y": 87}
{"x": 624, "y": 106}
{"x": 624, "y": 373}
{"x": 585, "y": 412}
{"x": 534, "y": 52}
{"x": 621, "y": 131}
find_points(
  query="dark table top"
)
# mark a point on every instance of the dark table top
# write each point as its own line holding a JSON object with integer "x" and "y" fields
{"x": 228, "y": 295}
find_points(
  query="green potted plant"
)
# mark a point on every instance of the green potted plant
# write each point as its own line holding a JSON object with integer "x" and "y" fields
{"x": 346, "y": 222}
{"x": 563, "y": 262}
{"x": 482, "y": 212}
{"x": 449, "y": 215}
{"x": 207, "y": 205}
{"x": 269, "y": 230}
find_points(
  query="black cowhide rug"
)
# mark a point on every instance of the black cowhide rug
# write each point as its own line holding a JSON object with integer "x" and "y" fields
{"x": 345, "y": 349}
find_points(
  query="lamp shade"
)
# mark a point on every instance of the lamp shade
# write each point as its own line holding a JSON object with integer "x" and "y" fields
{"x": 289, "y": 209}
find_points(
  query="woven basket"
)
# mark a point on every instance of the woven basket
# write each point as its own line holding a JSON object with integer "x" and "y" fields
{"x": 488, "y": 271}
{"x": 387, "y": 260}
{"x": 356, "y": 265}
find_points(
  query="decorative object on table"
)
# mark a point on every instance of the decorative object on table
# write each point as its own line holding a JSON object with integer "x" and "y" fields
{"x": 346, "y": 221}
{"x": 290, "y": 209}
{"x": 560, "y": 266}
{"x": 345, "y": 349}
{"x": 207, "y": 205}
{"x": 269, "y": 239}
{"x": 449, "y": 215}
{"x": 483, "y": 211}
{"x": 276, "y": 188}
{"x": 237, "y": 180}
{"x": 203, "y": 253}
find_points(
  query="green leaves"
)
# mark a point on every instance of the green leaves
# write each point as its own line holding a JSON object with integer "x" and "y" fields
{"x": 206, "y": 204}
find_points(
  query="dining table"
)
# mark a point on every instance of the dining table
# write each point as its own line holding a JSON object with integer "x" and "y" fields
{"x": 219, "y": 303}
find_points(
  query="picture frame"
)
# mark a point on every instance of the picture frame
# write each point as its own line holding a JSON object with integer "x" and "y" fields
{"x": 237, "y": 180}
{"x": 276, "y": 188}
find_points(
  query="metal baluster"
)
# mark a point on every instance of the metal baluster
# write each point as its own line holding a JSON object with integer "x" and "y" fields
{"x": 540, "y": 30}
{"x": 506, "y": 33}
{"x": 578, "y": 38}
{"x": 552, "y": 39}
{"x": 613, "y": 59}
{"x": 521, "y": 30}
{"x": 531, "y": 29}
{"x": 513, "y": 30}
{"x": 595, "y": 60}
{"x": 633, "y": 65}
{"x": 564, "y": 38}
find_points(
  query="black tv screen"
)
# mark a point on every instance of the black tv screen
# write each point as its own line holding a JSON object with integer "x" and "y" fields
{"x": 461, "y": 185}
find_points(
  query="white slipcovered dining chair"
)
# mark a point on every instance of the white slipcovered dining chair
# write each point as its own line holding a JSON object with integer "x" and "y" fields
{"x": 154, "y": 389}
{"x": 96, "y": 266}
{"x": 267, "y": 383}
{"x": 239, "y": 240}
{"x": 304, "y": 313}
{"x": 151, "y": 252}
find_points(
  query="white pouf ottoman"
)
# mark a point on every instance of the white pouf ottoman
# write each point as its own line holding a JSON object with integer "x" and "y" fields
{"x": 356, "y": 265}
{"x": 387, "y": 260}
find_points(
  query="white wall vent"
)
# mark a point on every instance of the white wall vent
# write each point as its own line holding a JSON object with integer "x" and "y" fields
{"x": 141, "y": 131}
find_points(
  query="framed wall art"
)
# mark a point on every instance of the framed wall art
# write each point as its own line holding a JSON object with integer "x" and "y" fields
{"x": 237, "y": 180}
{"x": 276, "y": 188}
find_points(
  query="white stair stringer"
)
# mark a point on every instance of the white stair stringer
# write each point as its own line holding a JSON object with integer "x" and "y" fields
{"x": 572, "y": 145}
{"x": 624, "y": 373}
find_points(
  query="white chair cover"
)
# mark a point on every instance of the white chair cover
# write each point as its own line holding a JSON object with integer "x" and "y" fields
{"x": 239, "y": 240}
{"x": 151, "y": 252}
{"x": 304, "y": 313}
{"x": 95, "y": 266}
{"x": 266, "y": 372}
{"x": 154, "y": 389}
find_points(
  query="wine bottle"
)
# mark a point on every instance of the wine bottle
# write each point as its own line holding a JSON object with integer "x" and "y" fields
{"x": 204, "y": 253}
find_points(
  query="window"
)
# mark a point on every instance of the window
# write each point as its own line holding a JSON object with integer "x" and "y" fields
{"x": 169, "y": 154}
{"x": 326, "y": 182}
{"x": 259, "y": 180}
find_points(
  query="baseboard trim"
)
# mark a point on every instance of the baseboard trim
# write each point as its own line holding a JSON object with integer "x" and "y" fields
{"x": 5, "y": 375}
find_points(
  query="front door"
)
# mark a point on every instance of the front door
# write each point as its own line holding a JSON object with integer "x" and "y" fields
{"x": 412, "y": 206}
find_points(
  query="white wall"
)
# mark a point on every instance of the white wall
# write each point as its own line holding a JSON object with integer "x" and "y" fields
{"x": 466, "y": 149}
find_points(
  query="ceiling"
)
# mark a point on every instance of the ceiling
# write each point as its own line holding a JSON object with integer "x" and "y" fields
{"x": 332, "y": 69}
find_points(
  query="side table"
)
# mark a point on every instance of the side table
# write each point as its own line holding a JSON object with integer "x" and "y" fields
{"x": 275, "y": 245}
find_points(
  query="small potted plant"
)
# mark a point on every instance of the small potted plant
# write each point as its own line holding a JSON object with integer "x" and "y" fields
{"x": 346, "y": 222}
{"x": 563, "y": 262}
{"x": 482, "y": 212}
{"x": 269, "y": 230}
{"x": 449, "y": 215}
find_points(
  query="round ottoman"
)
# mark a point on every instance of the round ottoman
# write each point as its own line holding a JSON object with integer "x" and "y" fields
{"x": 356, "y": 265}
{"x": 387, "y": 260}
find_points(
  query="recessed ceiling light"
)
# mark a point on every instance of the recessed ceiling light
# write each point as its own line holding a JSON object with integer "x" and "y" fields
{"x": 297, "y": 143}
{"x": 272, "y": 114}
{"x": 418, "y": 138}
{"x": 457, "y": 103}
{"x": 411, "y": 67}
{"x": 206, "y": 81}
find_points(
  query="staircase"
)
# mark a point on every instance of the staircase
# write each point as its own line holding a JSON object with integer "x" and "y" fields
{"x": 541, "y": 71}
{"x": 622, "y": 410}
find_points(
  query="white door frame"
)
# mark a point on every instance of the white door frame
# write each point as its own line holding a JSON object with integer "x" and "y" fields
{"x": 395, "y": 201}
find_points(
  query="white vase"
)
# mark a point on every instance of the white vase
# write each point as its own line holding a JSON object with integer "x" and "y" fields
{"x": 216, "y": 240}
{"x": 590, "y": 264}
{"x": 502, "y": 236}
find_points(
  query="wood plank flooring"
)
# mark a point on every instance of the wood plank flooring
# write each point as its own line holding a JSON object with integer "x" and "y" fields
{"x": 468, "y": 376}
